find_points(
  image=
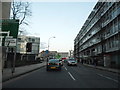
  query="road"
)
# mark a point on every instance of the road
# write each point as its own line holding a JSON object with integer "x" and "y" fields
{"x": 69, "y": 77}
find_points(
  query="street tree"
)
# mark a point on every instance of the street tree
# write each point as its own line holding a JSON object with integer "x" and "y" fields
{"x": 21, "y": 10}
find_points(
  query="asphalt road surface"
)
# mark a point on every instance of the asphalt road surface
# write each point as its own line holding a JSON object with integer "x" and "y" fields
{"x": 69, "y": 77}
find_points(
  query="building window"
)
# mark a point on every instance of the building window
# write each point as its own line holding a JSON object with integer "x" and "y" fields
{"x": 29, "y": 39}
{"x": 116, "y": 41}
{"x": 119, "y": 23}
{"x": 33, "y": 40}
{"x": 19, "y": 39}
{"x": 109, "y": 44}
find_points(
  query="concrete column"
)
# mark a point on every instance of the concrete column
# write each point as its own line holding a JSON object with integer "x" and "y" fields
{"x": 4, "y": 14}
{"x": 0, "y": 10}
{"x": 0, "y": 51}
{"x": 6, "y": 6}
{"x": 106, "y": 61}
{"x": 0, "y": 68}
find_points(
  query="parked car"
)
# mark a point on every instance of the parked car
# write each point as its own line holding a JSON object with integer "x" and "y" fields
{"x": 71, "y": 62}
{"x": 53, "y": 64}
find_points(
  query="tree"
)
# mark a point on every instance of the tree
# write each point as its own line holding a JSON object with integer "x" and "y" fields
{"x": 21, "y": 10}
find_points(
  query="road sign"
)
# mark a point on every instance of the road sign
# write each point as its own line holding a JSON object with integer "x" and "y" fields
{"x": 47, "y": 51}
{"x": 10, "y": 25}
{"x": 9, "y": 37}
{"x": 10, "y": 42}
{"x": 58, "y": 56}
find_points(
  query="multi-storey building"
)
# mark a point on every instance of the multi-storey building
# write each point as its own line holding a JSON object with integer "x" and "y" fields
{"x": 71, "y": 54}
{"x": 99, "y": 37}
{"x": 63, "y": 54}
{"x": 22, "y": 42}
{"x": 53, "y": 54}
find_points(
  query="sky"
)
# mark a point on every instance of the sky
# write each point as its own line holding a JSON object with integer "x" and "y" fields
{"x": 62, "y": 20}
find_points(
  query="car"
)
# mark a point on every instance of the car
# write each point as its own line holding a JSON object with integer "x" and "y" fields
{"x": 53, "y": 64}
{"x": 71, "y": 62}
{"x": 65, "y": 60}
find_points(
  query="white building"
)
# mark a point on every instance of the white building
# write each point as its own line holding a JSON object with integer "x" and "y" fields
{"x": 23, "y": 40}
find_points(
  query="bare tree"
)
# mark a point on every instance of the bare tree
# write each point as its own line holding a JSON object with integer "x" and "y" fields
{"x": 21, "y": 10}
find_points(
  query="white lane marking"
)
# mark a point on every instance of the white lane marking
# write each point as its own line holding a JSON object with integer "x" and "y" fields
{"x": 71, "y": 75}
{"x": 108, "y": 77}
{"x": 65, "y": 68}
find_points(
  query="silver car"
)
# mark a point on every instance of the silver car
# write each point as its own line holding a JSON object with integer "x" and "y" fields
{"x": 72, "y": 62}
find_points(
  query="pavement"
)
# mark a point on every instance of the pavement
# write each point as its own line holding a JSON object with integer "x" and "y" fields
{"x": 104, "y": 68}
{"x": 7, "y": 74}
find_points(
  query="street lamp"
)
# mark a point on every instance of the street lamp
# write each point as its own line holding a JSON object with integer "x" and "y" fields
{"x": 49, "y": 41}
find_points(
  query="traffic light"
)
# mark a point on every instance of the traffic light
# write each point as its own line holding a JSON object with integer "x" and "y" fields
{"x": 28, "y": 47}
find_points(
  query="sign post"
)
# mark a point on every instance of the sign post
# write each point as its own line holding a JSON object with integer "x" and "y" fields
{"x": 11, "y": 26}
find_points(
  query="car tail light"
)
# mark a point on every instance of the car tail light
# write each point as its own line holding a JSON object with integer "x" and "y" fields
{"x": 48, "y": 64}
{"x": 57, "y": 63}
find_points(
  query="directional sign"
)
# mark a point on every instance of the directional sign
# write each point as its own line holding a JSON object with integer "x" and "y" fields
{"x": 10, "y": 25}
{"x": 58, "y": 56}
{"x": 10, "y": 42}
{"x": 47, "y": 51}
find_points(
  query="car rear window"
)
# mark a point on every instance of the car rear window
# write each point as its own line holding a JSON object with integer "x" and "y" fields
{"x": 53, "y": 60}
{"x": 71, "y": 60}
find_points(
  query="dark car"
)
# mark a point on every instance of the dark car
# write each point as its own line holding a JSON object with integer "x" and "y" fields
{"x": 53, "y": 64}
{"x": 71, "y": 62}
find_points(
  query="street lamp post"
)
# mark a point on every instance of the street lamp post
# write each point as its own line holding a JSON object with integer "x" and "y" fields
{"x": 49, "y": 46}
{"x": 49, "y": 41}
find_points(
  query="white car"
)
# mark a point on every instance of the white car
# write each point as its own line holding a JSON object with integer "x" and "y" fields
{"x": 72, "y": 62}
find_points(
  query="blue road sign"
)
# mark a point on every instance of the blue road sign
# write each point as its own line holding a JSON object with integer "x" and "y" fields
{"x": 47, "y": 51}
